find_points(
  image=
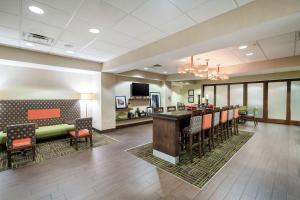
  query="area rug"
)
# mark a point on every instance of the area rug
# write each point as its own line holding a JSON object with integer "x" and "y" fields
{"x": 51, "y": 149}
{"x": 202, "y": 169}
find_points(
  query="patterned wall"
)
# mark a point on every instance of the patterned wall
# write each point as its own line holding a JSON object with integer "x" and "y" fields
{"x": 15, "y": 111}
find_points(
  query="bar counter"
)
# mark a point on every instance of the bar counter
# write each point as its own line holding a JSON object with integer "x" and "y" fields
{"x": 166, "y": 132}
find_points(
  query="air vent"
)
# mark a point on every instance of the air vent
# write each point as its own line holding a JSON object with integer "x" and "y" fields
{"x": 39, "y": 39}
{"x": 156, "y": 66}
{"x": 297, "y": 35}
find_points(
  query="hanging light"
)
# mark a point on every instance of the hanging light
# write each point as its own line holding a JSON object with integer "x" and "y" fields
{"x": 216, "y": 75}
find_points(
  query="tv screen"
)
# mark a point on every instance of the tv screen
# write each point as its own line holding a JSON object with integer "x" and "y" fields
{"x": 139, "y": 89}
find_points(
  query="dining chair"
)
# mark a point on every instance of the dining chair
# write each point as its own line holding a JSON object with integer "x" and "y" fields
{"x": 230, "y": 121}
{"x": 216, "y": 133}
{"x": 158, "y": 109}
{"x": 206, "y": 129}
{"x": 223, "y": 122}
{"x": 236, "y": 116}
{"x": 20, "y": 137}
{"x": 83, "y": 129}
{"x": 193, "y": 133}
{"x": 171, "y": 108}
{"x": 180, "y": 108}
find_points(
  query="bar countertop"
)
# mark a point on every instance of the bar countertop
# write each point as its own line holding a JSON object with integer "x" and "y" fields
{"x": 176, "y": 115}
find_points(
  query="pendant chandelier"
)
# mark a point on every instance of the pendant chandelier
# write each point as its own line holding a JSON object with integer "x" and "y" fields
{"x": 201, "y": 71}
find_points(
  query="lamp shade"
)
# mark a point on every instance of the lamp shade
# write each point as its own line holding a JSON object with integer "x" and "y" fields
{"x": 88, "y": 96}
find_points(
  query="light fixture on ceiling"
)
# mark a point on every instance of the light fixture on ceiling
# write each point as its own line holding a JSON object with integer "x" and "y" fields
{"x": 243, "y": 47}
{"x": 165, "y": 72}
{"x": 217, "y": 76}
{"x": 36, "y": 10}
{"x": 250, "y": 54}
{"x": 201, "y": 70}
{"x": 146, "y": 68}
{"x": 29, "y": 44}
{"x": 94, "y": 30}
{"x": 70, "y": 52}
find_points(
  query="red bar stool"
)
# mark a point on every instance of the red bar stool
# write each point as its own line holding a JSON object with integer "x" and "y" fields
{"x": 223, "y": 122}
{"x": 206, "y": 130}
{"x": 236, "y": 116}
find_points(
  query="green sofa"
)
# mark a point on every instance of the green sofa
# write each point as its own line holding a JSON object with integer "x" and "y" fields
{"x": 45, "y": 132}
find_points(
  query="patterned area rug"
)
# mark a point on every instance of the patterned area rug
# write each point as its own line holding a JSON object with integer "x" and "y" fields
{"x": 202, "y": 169}
{"x": 51, "y": 149}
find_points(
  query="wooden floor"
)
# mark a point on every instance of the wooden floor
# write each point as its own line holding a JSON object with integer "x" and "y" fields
{"x": 267, "y": 167}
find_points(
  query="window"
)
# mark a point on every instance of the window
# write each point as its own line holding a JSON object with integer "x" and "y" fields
{"x": 209, "y": 94}
{"x": 277, "y": 92}
{"x": 255, "y": 98}
{"x": 221, "y": 96}
{"x": 295, "y": 100}
{"x": 236, "y": 94}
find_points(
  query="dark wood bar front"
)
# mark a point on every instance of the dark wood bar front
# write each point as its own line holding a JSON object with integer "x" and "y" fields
{"x": 166, "y": 132}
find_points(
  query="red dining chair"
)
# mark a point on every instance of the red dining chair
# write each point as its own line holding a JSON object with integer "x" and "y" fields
{"x": 206, "y": 129}
{"x": 223, "y": 122}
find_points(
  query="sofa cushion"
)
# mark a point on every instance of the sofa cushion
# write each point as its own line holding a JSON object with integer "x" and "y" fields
{"x": 54, "y": 130}
{"x": 46, "y": 132}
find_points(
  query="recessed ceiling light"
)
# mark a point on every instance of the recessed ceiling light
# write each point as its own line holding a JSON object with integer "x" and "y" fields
{"x": 249, "y": 54}
{"x": 29, "y": 44}
{"x": 146, "y": 68}
{"x": 165, "y": 72}
{"x": 243, "y": 47}
{"x": 36, "y": 10}
{"x": 70, "y": 52}
{"x": 94, "y": 30}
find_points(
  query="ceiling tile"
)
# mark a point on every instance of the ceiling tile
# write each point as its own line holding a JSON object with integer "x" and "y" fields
{"x": 68, "y": 6}
{"x": 132, "y": 26}
{"x": 211, "y": 9}
{"x": 61, "y": 45}
{"x": 187, "y": 4}
{"x": 90, "y": 52}
{"x": 9, "y": 33}
{"x": 100, "y": 45}
{"x": 10, "y": 6}
{"x": 127, "y": 6}
{"x": 102, "y": 12}
{"x": 52, "y": 16}
{"x": 78, "y": 25}
{"x": 243, "y": 2}
{"x": 152, "y": 35}
{"x": 40, "y": 28}
{"x": 177, "y": 24}
{"x": 119, "y": 39}
{"x": 156, "y": 12}
{"x": 76, "y": 38}
{"x": 9, "y": 20}
{"x": 279, "y": 46}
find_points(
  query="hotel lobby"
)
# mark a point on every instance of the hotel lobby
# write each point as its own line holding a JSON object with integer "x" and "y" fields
{"x": 149, "y": 99}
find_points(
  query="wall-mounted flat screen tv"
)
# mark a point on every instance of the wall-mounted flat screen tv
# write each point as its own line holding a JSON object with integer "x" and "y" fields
{"x": 139, "y": 89}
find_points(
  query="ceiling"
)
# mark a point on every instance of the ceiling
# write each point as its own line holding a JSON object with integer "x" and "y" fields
{"x": 280, "y": 46}
{"x": 124, "y": 25}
